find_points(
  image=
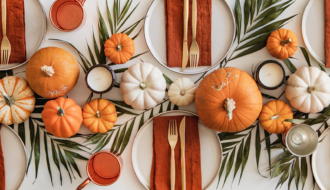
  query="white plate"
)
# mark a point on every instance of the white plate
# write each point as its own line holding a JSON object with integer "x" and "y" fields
{"x": 35, "y": 30}
{"x": 320, "y": 161}
{"x": 15, "y": 157}
{"x": 223, "y": 33}
{"x": 142, "y": 151}
{"x": 313, "y": 29}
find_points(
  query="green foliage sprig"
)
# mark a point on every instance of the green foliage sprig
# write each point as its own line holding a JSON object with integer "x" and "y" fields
{"x": 254, "y": 23}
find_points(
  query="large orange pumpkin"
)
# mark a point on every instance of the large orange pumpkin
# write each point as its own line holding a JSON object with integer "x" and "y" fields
{"x": 62, "y": 117}
{"x": 273, "y": 115}
{"x": 228, "y": 100}
{"x": 52, "y": 72}
{"x": 99, "y": 115}
{"x": 119, "y": 48}
{"x": 282, "y": 43}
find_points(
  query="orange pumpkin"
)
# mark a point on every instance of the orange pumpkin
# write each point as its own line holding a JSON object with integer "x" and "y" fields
{"x": 62, "y": 117}
{"x": 119, "y": 48}
{"x": 99, "y": 115}
{"x": 52, "y": 72}
{"x": 273, "y": 115}
{"x": 282, "y": 43}
{"x": 228, "y": 100}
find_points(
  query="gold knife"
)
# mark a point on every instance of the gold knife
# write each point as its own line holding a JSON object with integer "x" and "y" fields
{"x": 185, "y": 34}
{"x": 182, "y": 131}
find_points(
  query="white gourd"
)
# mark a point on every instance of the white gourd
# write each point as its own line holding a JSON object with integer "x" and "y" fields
{"x": 182, "y": 92}
{"x": 17, "y": 100}
{"x": 308, "y": 90}
{"x": 143, "y": 86}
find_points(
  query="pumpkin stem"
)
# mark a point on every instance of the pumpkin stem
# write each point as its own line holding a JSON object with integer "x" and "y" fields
{"x": 48, "y": 70}
{"x": 311, "y": 89}
{"x": 60, "y": 111}
{"x": 98, "y": 115}
{"x": 9, "y": 100}
{"x": 182, "y": 93}
{"x": 229, "y": 106}
{"x": 276, "y": 116}
{"x": 118, "y": 47}
{"x": 285, "y": 42}
{"x": 143, "y": 85}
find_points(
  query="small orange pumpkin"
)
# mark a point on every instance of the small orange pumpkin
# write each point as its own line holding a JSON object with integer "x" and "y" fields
{"x": 273, "y": 115}
{"x": 119, "y": 48}
{"x": 228, "y": 100}
{"x": 282, "y": 43}
{"x": 62, "y": 117}
{"x": 99, "y": 115}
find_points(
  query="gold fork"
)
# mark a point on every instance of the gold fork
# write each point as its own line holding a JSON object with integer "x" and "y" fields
{"x": 194, "y": 49}
{"x": 5, "y": 44}
{"x": 172, "y": 140}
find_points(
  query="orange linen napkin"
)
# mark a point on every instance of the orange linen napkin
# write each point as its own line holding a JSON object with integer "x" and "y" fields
{"x": 2, "y": 167}
{"x": 15, "y": 30}
{"x": 174, "y": 31}
{"x": 161, "y": 164}
{"x": 327, "y": 33}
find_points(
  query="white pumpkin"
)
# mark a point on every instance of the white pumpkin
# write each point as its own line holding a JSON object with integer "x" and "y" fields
{"x": 182, "y": 92}
{"x": 143, "y": 86}
{"x": 308, "y": 90}
{"x": 16, "y": 100}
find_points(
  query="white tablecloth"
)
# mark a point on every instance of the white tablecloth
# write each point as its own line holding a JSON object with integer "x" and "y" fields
{"x": 128, "y": 181}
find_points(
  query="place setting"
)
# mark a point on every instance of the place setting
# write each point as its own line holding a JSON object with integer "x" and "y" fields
{"x": 179, "y": 133}
{"x": 174, "y": 46}
{"x": 193, "y": 141}
{"x": 26, "y": 27}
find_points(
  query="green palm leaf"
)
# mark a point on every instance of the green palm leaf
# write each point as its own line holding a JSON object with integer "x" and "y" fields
{"x": 258, "y": 14}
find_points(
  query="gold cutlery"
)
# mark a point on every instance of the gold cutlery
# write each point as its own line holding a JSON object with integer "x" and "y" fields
{"x": 185, "y": 34}
{"x": 172, "y": 140}
{"x": 183, "y": 155}
{"x": 5, "y": 45}
{"x": 194, "y": 49}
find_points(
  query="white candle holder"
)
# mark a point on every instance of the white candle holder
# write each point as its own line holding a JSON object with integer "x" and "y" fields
{"x": 257, "y": 75}
{"x": 111, "y": 72}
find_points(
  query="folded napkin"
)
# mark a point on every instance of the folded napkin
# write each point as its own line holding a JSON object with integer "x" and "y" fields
{"x": 174, "y": 31}
{"x": 15, "y": 30}
{"x": 327, "y": 33}
{"x": 2, "y": 167}
{"x": 161, "y": 171}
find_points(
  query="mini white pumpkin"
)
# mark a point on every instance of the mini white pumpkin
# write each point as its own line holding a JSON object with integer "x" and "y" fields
{"x": 308, "y": 90}
{"x": 143, "y": 86}
{"x": 16, "y": 100}
{"x": 182, "y": 92}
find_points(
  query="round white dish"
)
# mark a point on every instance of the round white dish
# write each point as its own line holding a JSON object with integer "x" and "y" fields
{"x": 320, "y": 161}
{"x": 142, "y": 151}
{"x": 35, "y": 30}
{"x": 15, "y": 157}
{"x": 223, "y": 33}
{"x": 313, "y": 29}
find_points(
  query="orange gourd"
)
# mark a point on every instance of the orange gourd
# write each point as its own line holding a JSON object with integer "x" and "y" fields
{"x": 99, "y": 115}
{"x": 273, "y": 115}
{"x": 282, "y": 43}
{"x": 17, "y": 100}
{"x": 62, "y": 117}
{"x": 52, "y": 72}
{"x": 119, "y": 48}
{"x": 228, "y": 100}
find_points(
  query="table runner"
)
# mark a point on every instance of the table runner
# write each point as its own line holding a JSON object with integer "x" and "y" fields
{"x": 15, "y": 30}
{"x": 161, "y": 170}
{"x": 174, "y": 31}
